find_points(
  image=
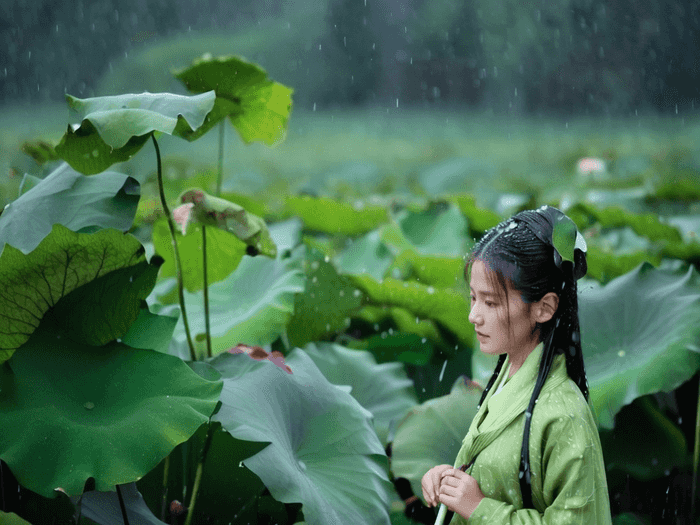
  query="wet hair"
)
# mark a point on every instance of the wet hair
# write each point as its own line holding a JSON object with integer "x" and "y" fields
{"x": 520, "y": 251}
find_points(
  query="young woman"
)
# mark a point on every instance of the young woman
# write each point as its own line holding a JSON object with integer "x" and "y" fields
{"x": 532, "y": 454}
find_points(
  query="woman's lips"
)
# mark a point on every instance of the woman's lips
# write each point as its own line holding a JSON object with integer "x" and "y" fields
{"x": 481, "y": 336}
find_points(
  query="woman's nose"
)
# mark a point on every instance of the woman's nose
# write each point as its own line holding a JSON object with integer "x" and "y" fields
{"x": 474, "y": 317}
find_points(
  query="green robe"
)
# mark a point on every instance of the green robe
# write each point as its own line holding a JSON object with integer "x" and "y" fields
{"x": 566, "y": 460}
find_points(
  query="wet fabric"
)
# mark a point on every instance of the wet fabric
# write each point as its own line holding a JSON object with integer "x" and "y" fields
{"x": 568, "y": 474}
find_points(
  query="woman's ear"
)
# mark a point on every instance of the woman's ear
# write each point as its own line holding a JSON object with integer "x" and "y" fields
{"x": 546, "y": 307}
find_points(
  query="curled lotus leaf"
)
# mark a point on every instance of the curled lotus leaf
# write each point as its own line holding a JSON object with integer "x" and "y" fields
{"x": 198, "y": 206}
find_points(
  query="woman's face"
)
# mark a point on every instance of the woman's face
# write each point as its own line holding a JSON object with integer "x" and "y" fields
{"x": 490, "y": 316}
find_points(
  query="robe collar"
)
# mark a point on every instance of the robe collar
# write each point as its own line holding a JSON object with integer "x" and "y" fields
{"x": 512, "y": 400}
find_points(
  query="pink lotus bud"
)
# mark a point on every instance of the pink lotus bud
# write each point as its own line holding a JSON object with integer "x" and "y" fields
{"x": 182, "y": 215}
{"x": 590, "y": 166}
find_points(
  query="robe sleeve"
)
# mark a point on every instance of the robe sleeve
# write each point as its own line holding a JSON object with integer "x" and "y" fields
{"x": 573, "y": 489}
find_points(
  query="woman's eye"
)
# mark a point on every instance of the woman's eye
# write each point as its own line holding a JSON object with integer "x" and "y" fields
{"x": 490, "y": 304}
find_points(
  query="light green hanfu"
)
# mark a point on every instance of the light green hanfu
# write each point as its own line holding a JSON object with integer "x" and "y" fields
{"x": 566, "y": 460}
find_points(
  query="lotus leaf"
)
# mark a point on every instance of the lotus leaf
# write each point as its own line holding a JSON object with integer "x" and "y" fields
{"x": 41, "y": 151}
{"x": 114, "y": 128}
{"x": 644, "y": 455}
{"x": 366, "y": 255}
{"x": 105, "y": 308}
{"x": 647, "y": 225}
{"x": 199, "y": 207}
{"x": 63, "y": 261}
{"x": 80, "y": 203}
{"x": 636, "y": 325}
{"x": 325, "y": 306}
{"x": 104, "y": 508}
{"x": 10, "y": 518}
{"x": 443, "y": 305}
{"x": 323, "y": 450}
{"x": 397, "y": 346}
{"x": 329, "y": 216}
{"x": 286, "y": 234}
{"x": 432, "y": 432}
{"x": 138, "y": 402}
{"x": 150, "y": 331}
{"x": 224, "y": 253}
{"x": 251, "y": 306}
{"x": 383, "y": 389}
{"x": 258, "y": 107}
{"x": 480, "y": 219}
{"x": 438, "y": 230}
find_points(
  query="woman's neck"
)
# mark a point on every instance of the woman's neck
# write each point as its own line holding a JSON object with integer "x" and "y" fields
{"x": 517, "y": 358}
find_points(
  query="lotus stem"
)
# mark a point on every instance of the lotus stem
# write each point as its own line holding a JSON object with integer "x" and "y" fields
{"x": 164, "y": 499}
{"x": 441, "y": 514}
{"x": 206, "y": 289}
{"x": 178, "y": 265}
{"x": 123, "y": 507}
{"x": 220, "y": 179}
{"x": 696, "y": 459}
{"x": 198, "y": 475}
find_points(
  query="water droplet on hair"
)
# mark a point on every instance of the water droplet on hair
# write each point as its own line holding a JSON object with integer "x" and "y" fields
{"x": 572, "y": 350}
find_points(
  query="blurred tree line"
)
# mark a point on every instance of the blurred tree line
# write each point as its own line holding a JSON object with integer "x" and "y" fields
{"x": 510, "y": 56}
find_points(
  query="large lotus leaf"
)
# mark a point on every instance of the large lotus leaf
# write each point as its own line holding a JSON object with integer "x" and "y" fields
{"x": 647, "y": 225}
{"x": 113, "y": 414}
{"x": 383, "y": 389}
{"x": 634, "y": 327}
{"x": 329, "y": 216}
{"x": 326, "y": 304}
{"x": 114, "y": 128}
{"x": 224, "y": 253}
{"x": 480, "y": 219}
{"x": 367, "y": 254}
{"x": 258, "y": 107}
{"x": 62, "y": 262}
{"x": 80, "y": 203}
{"x": 432, "y": 433}
{"x": 604, "y": 265}
{"x": 251, "y": 306}
{"x": 286, "y": 234}
{"x": 443, "y": 272}
{"x": 402, "y": 318}
{"x": 688, "y": 225}
{"x": 397, "y": 346}
{"x": 10, "y": 518}
{"x": 446, "y": 306}
{"x": 219, "y": 213}
{"x": 644, "y": 455}
{"x": 104, "y": 507}
{"x": 438, "y": 230}
{"x": 323, "y": 450}
{"x": 104, "y": 309}
{"x": 150, "y": 331}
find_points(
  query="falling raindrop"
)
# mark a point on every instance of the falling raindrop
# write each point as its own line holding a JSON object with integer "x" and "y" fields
{"x": 431, "y": 290}
{"x": 442, "y": 372}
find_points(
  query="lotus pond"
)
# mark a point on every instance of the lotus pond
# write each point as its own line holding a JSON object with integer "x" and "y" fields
{"x": 289, "y": 342}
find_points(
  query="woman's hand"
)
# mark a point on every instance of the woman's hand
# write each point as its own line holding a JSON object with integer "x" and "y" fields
{"x": 431, "y": 484}
{"x": 459, "y": 491}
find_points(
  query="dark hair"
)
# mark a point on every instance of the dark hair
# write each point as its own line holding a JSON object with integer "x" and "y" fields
{"x": 521, "y": 251}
